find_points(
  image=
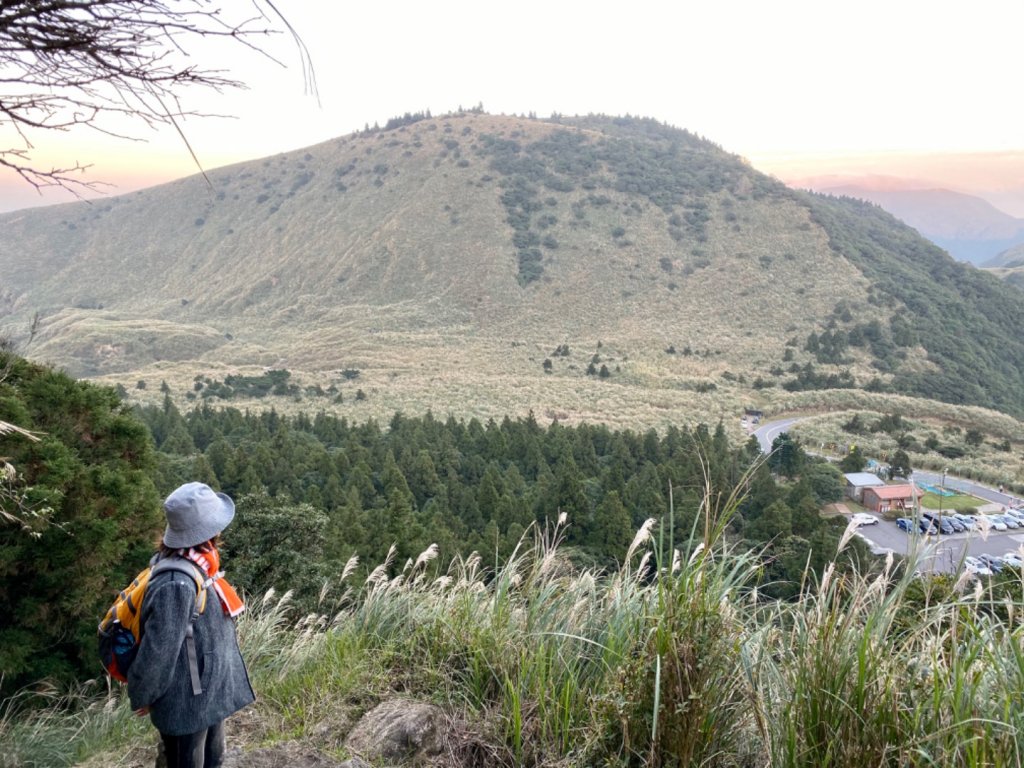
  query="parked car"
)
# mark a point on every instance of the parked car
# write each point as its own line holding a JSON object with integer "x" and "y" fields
{"x": 993, "y": 562}
{"x": 1014, "y": 560}
{"x": 942, "y": 524}
{"x": 928, "y": 527}
{"x": 906, "y": 524}
{"x": 976, "y": 566}
{"x": 863, "y": 518}
{"x": 1016, "y": 514}
{"x": 1009, "y": 522}
{"x": 947, "y": 523}
{"x": 993, "y": 523}
{"x": 967, "y": 521}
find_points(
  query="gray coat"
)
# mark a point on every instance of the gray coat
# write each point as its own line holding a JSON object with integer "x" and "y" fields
{"x": 159, "y": 676}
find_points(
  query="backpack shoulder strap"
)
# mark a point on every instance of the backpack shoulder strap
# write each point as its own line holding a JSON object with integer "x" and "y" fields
{"x": 184, "y": 566}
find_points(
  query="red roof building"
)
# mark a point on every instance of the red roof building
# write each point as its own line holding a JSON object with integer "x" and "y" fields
{"x": 886, "y": 498}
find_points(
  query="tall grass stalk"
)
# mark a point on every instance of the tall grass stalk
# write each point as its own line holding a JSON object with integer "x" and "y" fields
{"x": 673, "y": 660}
{"x": 684, "y": 693}
{"x": 52, "y": 729}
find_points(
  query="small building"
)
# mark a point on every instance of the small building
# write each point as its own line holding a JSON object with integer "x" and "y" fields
{"x": 856, "y": 482}
{"x": 887, "y": 498}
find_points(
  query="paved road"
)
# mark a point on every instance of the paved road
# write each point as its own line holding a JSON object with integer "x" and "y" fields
{"x": 767, "y": 433}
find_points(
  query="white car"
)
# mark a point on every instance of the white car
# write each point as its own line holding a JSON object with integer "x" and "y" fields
{"x": 993, "y": 523}
{"x": 975, "y": 566}
{"x": 863, "y": 518}
{"x": 1013, "y": 559}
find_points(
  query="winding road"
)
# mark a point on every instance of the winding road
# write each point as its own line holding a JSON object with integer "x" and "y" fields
{"x": 767, "y": 433}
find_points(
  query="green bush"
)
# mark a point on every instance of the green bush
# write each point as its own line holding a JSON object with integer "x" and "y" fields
{"x": 84, "y": 515}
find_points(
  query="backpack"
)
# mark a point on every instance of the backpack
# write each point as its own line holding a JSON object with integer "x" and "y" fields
{"x": 120, "y": 631}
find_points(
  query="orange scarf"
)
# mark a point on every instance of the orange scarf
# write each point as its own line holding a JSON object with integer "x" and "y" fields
{"x": 207, "y": 557}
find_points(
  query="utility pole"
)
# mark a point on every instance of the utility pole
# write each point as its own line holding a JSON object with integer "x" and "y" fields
{"x": 942, "y": 495}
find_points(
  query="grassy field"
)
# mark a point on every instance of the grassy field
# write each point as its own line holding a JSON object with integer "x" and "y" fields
{"x": 957, "y": 503}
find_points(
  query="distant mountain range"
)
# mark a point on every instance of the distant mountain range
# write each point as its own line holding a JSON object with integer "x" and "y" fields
{"x": 592, "y": 268}
{"x": 968, "y": 227}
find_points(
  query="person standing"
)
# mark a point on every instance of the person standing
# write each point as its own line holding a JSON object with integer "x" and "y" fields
{"x": 189, "y": 675}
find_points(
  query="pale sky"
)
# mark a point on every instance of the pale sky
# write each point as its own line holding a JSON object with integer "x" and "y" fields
{"x": 809, "y": 84}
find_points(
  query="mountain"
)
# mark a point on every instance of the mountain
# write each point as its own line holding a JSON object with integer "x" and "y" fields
{"x": 1009, "y": 266}
{"x": 592, "y": 268}
{"x": 1011, "y": 257}
{"x": 969, "y": 227}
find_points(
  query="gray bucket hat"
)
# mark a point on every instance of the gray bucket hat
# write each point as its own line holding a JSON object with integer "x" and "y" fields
{"x": 196, "y": 513}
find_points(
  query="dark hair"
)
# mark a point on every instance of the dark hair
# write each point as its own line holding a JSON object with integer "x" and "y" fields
{"x": 163, "y": 550}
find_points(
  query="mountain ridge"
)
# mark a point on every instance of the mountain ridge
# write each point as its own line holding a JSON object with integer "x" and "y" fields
{"x": 449, "y": 257}
{"x": 969, "y": 227}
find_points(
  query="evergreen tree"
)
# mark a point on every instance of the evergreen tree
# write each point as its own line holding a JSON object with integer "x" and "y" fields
{"x": 806, "y": 516}
{"x": 787, "y": 456}
{"x": 401, "y": 525}
{"x": 612, "y": 530}
{"x": 644, "y": 496}
{"x": 347, "y": 530}
{"x": 202, "y": 472}
{"x": 490, "y": 492}
{"x": 776, "y": 521}
{"x": 222, "y": 463}
{"x": 274, "y": 542}
{"x": 423, "y": 478}
{"x": 571, "y": 499}
{"x": 361, "y": 480}
{"x": 853, "y": 461}
{"x": 97, "y": 514}
{"x": 900, "y": 464}
{"x": 825, "y": 480}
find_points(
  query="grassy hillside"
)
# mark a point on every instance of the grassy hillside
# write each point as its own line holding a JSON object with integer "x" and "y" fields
{"x": 448, "y": 260}
{"x": 535, "y": 663}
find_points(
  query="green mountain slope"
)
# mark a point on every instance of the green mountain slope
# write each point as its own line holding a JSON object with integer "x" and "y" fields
{"x": 448, "y": 259}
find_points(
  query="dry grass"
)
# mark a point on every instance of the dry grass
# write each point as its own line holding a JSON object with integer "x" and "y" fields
{"x": 391, "y": 253}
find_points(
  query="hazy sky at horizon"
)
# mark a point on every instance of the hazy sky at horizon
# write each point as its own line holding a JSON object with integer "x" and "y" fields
{"x": 799, "y": 85}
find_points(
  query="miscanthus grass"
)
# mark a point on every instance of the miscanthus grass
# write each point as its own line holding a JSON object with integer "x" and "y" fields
{"x": 673, "y": 659}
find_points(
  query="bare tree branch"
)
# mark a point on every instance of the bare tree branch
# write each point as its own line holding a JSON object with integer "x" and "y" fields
{"x": 71, "y": 63}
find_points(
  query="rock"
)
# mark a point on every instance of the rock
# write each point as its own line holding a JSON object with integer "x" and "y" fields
{"x": 396, "y": 731}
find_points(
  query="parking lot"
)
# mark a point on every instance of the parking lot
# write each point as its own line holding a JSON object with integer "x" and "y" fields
{"x": 942, "y": 553}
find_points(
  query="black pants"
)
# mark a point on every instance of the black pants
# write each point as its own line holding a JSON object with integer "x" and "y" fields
{"x": 204, "y": 749}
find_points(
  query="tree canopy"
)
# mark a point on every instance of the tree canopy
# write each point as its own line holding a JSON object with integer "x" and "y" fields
{"x": 88, "y": 515}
